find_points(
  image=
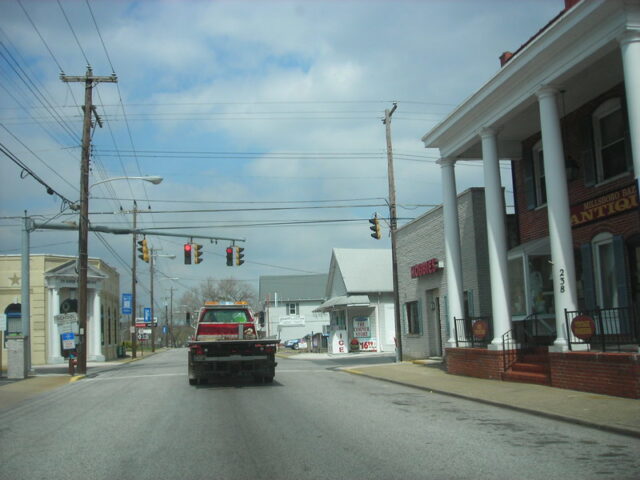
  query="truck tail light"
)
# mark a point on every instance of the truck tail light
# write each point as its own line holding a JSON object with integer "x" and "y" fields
{"x": 197, "y": 350}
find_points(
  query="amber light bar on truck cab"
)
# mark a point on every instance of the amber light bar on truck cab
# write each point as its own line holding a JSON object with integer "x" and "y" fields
{"x": 227, "y": 303}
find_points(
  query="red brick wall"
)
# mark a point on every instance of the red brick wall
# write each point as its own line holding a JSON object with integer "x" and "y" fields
{"x": 533, "y": 224}
{"x": 475, "y": 362}
{"x": 615, "y": 374}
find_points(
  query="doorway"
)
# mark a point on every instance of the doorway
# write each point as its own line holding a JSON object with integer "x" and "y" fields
{"x": 434, "y": 326}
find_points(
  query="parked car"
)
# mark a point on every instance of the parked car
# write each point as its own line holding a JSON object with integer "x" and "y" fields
{"x": 290, "y": 343}
{"x": 301, "y": 343}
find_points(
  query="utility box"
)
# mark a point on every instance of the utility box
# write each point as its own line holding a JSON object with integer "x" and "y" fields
{"x": 16, "y": 360}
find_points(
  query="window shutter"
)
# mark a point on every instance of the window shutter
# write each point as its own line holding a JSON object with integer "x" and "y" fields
{"x": 627, "y": 135}
{"x": 529, "y": 181}
{"x": 470, "y": 302}
{"x": 587, "y": 157}
{"x": 446, "y": 315}
{"x": 420, "y": 316}
{"x": 588, "y": 283}
{"x": 620, "y": 268}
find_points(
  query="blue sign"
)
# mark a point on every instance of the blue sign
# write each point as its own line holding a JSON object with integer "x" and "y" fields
{"x": 68, "y": 341}
{"x": 165, "y": 329}
{"x": 147, "y": 315}
{"x": 127, "y": 300}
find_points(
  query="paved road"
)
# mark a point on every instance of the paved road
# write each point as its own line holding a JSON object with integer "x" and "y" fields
{"x": 142, "y": 420}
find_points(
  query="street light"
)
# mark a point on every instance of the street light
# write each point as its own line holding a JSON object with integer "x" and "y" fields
{"x": 149, "y": 178}
{"x": 83, "y": 262}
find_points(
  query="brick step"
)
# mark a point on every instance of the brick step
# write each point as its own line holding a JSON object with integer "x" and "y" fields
{"x": 534, "y": 358}
{"x": 527, "y": 377}
{"x": 531, "y": 367}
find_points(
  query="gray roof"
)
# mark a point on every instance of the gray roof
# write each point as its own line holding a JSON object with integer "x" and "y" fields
{"x": 293, "y": 287}
{"x": 364, "y": 270}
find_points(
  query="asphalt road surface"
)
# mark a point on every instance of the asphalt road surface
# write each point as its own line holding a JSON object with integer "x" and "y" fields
{"x": 144, "y": 421}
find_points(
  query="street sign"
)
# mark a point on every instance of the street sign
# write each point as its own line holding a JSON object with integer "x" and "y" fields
{"x": 142, "y": 323}
{"x": 127, "y": 299}
{"x": 147, "y": 315}
{"x": 68, "y": 341}
{"x": 165, "y": 329}
{"x": 65, "y": 318}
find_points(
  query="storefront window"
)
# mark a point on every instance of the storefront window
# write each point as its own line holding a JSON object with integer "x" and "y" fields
{"x": 517, "y": 289}
{"x": 540, "y": 284}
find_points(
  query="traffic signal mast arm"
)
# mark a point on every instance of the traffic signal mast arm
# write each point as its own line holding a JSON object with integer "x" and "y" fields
{"x": 127, "y": 231}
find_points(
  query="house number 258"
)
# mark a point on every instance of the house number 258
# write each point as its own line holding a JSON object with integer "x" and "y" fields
{"x": 562, "y": 280}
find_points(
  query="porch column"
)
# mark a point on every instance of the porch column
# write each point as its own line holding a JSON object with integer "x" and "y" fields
{"x": 496, "y": 238}
{"x": 563, "y": 264}
{"x": 453, "y": 262}
{"x": 630, "y": 46}
{"x": 95, "y": 350}
{"x": 54, "y": 355}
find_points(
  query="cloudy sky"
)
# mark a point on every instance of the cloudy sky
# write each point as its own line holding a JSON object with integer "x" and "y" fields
{"x": 263, "y": 118}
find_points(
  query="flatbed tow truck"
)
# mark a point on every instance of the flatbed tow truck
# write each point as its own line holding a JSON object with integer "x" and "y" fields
{"x": 226, "y": 343}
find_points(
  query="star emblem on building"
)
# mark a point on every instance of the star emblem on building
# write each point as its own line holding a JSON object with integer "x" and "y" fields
{"x": 15, "y": 280}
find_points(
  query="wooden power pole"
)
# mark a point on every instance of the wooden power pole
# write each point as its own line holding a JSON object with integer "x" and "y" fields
{"x": 83, "y": 259}
{"x": 393, "y": 225}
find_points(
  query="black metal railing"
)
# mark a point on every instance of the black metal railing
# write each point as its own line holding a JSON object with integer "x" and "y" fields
{"x": 615, "y": 329}
{"x": 472, "y": 332}
{"x": 526, "y": 336}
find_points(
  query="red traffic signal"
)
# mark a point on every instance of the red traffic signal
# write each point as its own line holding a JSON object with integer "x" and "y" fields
{"x": 187, "y": 254}
{"x": 229, "y": 257}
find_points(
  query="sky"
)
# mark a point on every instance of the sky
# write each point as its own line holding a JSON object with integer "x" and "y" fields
{"x": 264, "y": 119}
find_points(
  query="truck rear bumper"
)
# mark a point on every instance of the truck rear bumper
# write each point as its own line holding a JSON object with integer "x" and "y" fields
{"x": 232, "y": 366}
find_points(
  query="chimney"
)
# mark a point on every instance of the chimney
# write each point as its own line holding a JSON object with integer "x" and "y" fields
{"x": 570, "y": 3}
{"x": 506, "y": 56}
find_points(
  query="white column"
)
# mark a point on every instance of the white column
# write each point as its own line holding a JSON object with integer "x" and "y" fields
{"x": 54, "y": 355}
{"x": 630, "y": 46}
{"x": 496, "y": 237}
{"x": 453, "y": 262}
{"x": 95, "y": 348}
{"x": 563, "y": 268}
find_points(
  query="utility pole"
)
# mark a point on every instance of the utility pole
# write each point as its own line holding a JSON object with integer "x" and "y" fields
{"x": 173, "y": 340}
{"x": 134, "y": 336}
{"x": 83, "y": 238}
{"x": 153, "y": 328}
{"x": 393, "y": 224}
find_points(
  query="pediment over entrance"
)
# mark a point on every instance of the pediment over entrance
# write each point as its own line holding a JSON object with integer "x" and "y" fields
{"x": 65, "y": 276}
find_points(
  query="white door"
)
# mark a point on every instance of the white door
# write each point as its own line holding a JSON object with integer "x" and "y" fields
{"x": 389, "y": 331}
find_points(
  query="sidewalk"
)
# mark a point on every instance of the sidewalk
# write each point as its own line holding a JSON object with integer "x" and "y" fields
{"x": 50, "y": 377}
{"x": 615, "y": 414}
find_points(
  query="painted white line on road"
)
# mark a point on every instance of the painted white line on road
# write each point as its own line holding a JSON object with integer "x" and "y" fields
{"x": 128, "y": 377}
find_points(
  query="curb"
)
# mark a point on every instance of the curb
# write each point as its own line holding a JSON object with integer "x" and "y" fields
{"x": 539, "y": 413}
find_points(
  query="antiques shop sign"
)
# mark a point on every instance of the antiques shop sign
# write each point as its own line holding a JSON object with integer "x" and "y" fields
{"x": 607, "y": 205}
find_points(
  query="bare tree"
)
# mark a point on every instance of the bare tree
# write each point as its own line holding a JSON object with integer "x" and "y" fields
{"x": 224, "y": 290}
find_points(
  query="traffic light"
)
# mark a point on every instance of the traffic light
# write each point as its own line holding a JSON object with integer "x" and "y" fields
{"x": 229, "y": 257}
{"x": 197, "y": 253}
{"x": 144, "y": 250}
{"x": 187, "y": 254}
{"x": 375, "y": 227}
{"x": 239, "y": 255}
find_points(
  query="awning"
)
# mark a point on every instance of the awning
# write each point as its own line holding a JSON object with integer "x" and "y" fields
{"x": 344, "y": 301}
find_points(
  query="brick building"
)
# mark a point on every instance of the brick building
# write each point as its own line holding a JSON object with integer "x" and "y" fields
{"x": 565, "y": 109}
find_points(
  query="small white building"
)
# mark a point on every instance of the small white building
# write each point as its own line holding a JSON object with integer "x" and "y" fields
{"x": 360, "y": 302}
{"x": 288, "y": 303}
{"x": 53, "y": 290}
